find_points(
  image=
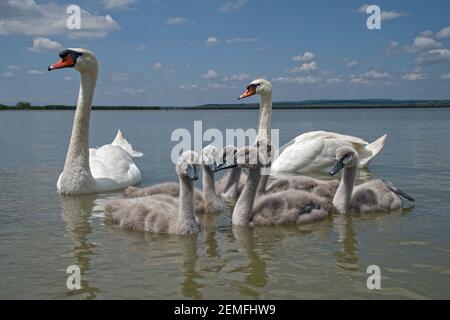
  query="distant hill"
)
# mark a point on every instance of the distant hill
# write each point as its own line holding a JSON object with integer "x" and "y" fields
{"x": 307, "y": 104}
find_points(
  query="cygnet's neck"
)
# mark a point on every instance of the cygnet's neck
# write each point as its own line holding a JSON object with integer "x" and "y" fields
{"x": 343, "y": 197}
{"x": 242, "y": 213}
{"x": 186, "y": 222}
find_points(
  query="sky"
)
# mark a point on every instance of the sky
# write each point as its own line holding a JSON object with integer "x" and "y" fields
{"x": 174, "y": 52}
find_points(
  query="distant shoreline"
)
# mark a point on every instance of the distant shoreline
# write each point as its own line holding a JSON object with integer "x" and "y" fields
{"x": 308, "y": 105}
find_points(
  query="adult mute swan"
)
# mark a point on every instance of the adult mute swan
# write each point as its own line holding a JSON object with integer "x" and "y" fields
{"x": 161, "y": 213}
{"x": 308, "y": 152}
{"x": 92, "y": 170}
{"x": 371, "y": 196}
{"x": 285, "y": 207}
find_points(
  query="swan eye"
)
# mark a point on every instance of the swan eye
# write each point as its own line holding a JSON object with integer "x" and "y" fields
{"x": 347, "y": 158}
{"x": 74, "y": 55}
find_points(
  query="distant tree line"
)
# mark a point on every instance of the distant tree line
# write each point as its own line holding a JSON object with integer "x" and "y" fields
{"x": 312, "y": 104}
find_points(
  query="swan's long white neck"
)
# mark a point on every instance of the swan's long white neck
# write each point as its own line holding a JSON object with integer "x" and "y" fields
{"x": 77, "y": 174}
{"x": 265, "y": 116}
{"x": 343, "y": 197}
{"x": 242, "y": 213}
{"x": 186, "y": 222}
{"x": 264, "y": 127}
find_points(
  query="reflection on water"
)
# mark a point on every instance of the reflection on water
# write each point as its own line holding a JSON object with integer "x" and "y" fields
{"x": 76, "y": 213}
{"x": 256, "y": 268}
{"x": 190, "y": 288}
{"x": 347, "y": 256}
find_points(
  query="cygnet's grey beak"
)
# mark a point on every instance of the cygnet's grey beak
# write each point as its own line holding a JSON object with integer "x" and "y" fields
{"x": 225, "y": 166}
{"x": 338, "y": 166}
{"x": 191, "y": 172}
{"x": 213, "y": 167}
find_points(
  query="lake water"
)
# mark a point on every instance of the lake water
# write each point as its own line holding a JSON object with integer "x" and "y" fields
{"x": 41, "y": 233}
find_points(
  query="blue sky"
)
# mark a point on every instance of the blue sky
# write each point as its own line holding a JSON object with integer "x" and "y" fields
{"x": 171, "y": 52}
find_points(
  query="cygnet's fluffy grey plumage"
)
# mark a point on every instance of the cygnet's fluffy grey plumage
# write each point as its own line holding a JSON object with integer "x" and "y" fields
{"x": 371, "y": 196}
{"x": 285, "y": 207}
{"x": 161, "y": 213}
{"x": 322, "y": 188}
{"x": 206, "y": 201}
{"x": 168, "y": 188}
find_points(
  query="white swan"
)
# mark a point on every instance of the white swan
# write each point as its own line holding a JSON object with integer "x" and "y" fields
{"x": 371, "y": 196}
{"x": 92, "y": 170}
{"x": 308, "y": 152}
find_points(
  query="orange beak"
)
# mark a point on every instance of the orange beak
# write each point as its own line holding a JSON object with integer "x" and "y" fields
{"x": 63, "y": 63}
{"x": 250, "y": 92}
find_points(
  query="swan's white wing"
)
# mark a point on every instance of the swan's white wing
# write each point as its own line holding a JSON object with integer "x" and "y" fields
{"x": 313, "y": 151}
{"x": 312, "y": 155}
{"x": 355, "y": 141}
{"x": 92, "y": 152}
{"x": 120, "y": 141}
{"x": 112, "y": 166}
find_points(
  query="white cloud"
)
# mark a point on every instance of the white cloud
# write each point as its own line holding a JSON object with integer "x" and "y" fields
{"x": 237, "y": 77}
{"x": 370, "y": 77}
{"x": 234, "y": 40}
{"x": 305, "y": 67}
{"x": 211, "y": 74}
{"x": 427, "y": 33}
{"x": 26, "y": 17}
{"x": 307, "y": 56}
{"x": 45, "y": 44}
{"x": 334, "y": 80}
{"x": 359, "y": 80}
{"x": 299, "y": 80}
{"x": 157, "y": 65}
{"x": 35, "y": 72}
{"x": 390, "y": 15}
{"x": 363, "y": 8}
{"x": 134, "y": 91}
{"x": 233, "y": 5}
{"x": 375, "y": 75}
{"x": 188, "y": 87}
{"x": 112, "y": 4}
{"x": 413, "y": 76}
{"x": 445, "y": 76}
{"x": 444, "y": 33}
{"x": 8, "y": 75}
{"x": 393, "y": 48}
{"x": 434, "y": 56}
{"x": 423, "y": 44}
{"x": 143, "y": 47}
{"x": 385, "y": 15}
{"x": 68, "y": 78}
{"x": 13, "y": 67}
{"x": 353, "y": 63}
{"x": 173, "y": 21}
{"x": 219, "y": 86}
{"x": 212, "y": 41}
